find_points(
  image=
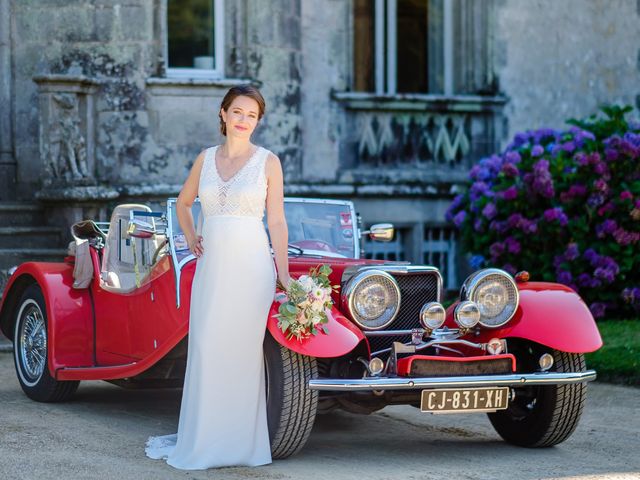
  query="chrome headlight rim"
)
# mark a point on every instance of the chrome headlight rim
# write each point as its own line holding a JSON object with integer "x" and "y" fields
{"x": 351, "y": 286}
{"x": 431, "y": 306}
{"x": 474, "y": 280}
{"x": 457, "y": 313}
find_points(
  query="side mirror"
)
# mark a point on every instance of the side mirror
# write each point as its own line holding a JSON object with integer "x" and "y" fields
{"x": 381, "y": 232}
{"x": 140, "y": 229}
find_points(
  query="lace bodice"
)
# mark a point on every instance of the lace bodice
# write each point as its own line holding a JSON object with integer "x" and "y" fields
{"x": 243, "y": 194}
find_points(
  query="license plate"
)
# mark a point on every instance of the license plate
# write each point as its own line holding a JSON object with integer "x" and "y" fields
{"x": 461, "y": 400}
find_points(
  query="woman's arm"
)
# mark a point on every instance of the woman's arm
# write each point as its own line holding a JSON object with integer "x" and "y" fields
{"x": 275, "y": 217}
{"x": 183, "y": 206}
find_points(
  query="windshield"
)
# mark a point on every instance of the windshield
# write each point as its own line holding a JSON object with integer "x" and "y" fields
{"x": 318, "y": 227}
{"x": 322, "y": 227}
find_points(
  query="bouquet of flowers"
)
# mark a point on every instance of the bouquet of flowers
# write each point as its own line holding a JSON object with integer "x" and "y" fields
{"x": 303, "y": 313}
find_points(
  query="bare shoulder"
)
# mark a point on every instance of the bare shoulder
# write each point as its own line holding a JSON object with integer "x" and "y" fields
{"x": 273, "y": 166}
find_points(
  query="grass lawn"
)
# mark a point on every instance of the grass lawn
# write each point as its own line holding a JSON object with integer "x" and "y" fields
{"x": 618, "y": 361}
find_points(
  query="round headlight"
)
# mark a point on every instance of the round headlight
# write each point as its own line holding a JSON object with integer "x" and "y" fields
{"x": 372, "y": 298}
{"x": 495, "y": 293}
{"x": 467, "y": 314}
{"x": 432, "y": 315}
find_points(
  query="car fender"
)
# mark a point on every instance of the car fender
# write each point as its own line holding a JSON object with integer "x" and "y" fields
{"x": 343, "y": 336}
{"x": 551, "y": 314}
{"x": 69, "y": 312}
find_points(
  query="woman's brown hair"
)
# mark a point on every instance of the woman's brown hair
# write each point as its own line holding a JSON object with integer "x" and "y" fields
{"x": 244, "y": 90}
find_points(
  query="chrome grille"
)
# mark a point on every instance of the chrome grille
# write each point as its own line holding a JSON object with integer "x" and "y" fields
{"x": 416, "y": 289}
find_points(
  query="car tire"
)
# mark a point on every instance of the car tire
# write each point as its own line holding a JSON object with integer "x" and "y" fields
{"x": 291, "y": 405}
{"x": 542, "y": 416}
{"x": 31, "y": 351}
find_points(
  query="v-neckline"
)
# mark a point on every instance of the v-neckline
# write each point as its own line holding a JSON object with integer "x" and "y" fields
{"x": 215, "y": 165}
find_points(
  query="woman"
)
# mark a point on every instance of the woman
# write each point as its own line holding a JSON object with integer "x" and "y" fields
{"x": 223, "y": 419}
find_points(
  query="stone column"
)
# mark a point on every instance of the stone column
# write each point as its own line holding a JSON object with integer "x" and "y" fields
{"x": 7, "y": 159}
{"x": 67, "y": 149}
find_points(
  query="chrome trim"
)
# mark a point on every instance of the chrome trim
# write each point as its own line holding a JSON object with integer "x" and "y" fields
{"x": 397, "y": 269}
{"x": 347, "y": 295}
{"x": 471, "y": 283}
{"x": 418, "y": 383}
{"x": 451, "y": 333}
{"x": 431, "y": 343}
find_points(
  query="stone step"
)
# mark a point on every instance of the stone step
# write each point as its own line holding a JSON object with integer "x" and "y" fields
{"x": 21, "y": 214}
{"x": 33, "y": 237}
{"x": 15, "y": 256}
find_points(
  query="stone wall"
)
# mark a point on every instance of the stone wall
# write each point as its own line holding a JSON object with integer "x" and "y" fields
{"x": 562, "y": 59}
{"x": 148, "y": 128}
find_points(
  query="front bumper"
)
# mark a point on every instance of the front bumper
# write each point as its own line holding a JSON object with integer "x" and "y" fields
{"x": 412, "y": 383}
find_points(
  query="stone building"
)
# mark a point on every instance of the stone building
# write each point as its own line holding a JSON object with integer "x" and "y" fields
{"x": 386, "y": 102}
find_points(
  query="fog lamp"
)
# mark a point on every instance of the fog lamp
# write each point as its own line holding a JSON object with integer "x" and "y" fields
{"x": 467, "y": 314}
{"x": 545, "y": 361}
{"x": 432, "y": 315}
{"x": 376, "y": 366}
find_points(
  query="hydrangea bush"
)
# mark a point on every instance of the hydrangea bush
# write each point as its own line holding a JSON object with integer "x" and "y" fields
{"x": 563, "y": 205}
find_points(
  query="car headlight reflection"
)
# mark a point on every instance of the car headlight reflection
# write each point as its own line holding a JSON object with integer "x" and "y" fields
{"x": 372, "y": 298}
{"x": 495, "y": 293}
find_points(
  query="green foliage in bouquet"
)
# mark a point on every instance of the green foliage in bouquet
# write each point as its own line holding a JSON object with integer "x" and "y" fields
{"x": 304, "y": 312}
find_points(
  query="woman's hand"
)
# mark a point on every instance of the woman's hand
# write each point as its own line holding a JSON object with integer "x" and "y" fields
{"x": 195, "y": 245}
{"x": 284, "y": 280}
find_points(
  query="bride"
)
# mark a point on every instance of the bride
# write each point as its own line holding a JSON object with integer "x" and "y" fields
{"x": 223, "y": 420}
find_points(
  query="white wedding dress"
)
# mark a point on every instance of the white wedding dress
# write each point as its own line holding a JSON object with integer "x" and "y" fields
{"x": 223, "y": 418}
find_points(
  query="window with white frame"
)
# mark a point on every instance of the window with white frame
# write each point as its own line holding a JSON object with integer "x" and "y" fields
{"x": 421, "y": 46}
{"x": 195, "y": 38}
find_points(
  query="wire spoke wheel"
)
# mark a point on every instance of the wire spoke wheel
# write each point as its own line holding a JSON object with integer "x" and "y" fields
{"x": 31, "y": 353}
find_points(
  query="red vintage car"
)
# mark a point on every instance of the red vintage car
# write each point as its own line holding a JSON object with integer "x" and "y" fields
{"x": 117, "y": 309}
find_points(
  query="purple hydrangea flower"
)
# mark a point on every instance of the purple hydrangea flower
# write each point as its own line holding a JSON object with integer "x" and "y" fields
{"x": 537, "y": 150}
{"x": 564, "y": 276}
{"x": 596, "y": 200}
{"x": 591, "y": 256}
{"x": 512, "y": 157}
{"x": 597, "y": 309}
{"x": 626, "y": 195}
{"x": 529, "y": 226}
{"x": 606, "y": 228}
{"x": 512, "y": 245}
{"x": 510, "y": 193}
{"x": 556, "y": 214}
{"x": 600, "y": 168}
{"x": 510, "y": 170}
{"x": 498, "y": 226}
{"x": 541, "y": 181}
{"x": 572, "y": 252}
{"x": 584, "y": 280}
{"x": 601, "y": 185}
{"x": 496, "y": 249}
{"x": 514, "y": 220}
{"x": 458, "y": 220}
{"x": 490, "y": 211}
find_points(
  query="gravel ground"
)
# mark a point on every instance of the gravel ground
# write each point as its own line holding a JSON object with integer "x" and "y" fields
{"x": 100, "y": 434}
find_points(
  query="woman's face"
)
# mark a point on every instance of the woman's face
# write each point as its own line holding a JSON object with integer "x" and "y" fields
{"x": 242, "y": 117}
